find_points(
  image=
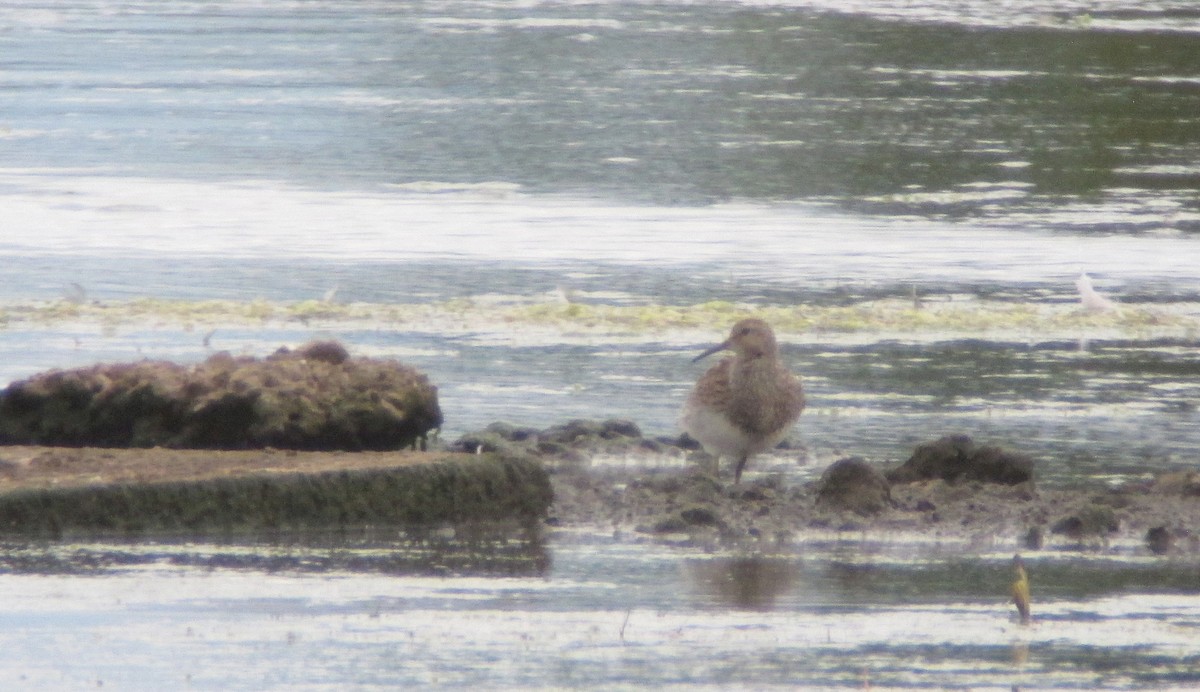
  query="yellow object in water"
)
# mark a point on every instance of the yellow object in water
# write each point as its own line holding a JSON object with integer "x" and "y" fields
{"x": 1020, "y": 589}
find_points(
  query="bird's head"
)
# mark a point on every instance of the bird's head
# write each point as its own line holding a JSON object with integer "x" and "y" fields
{"x": 750, "y": 338}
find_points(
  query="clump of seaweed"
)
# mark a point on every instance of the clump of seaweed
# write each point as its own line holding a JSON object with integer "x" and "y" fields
{"x": 316, "y": 397}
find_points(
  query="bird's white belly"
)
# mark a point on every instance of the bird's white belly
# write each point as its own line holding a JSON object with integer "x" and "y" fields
{"x": 721, "y": 438}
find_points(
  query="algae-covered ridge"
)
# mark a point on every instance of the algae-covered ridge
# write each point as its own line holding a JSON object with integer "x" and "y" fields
{"x": 60, "y": 491}
{"x": 951, "y": 315}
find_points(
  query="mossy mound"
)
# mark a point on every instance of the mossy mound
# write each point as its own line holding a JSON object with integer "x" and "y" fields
{"x": 853, "y": 485}
{"x": 316, "y": 397}
{"x": 957, "y": 458}
{"x": 255, "y": 494}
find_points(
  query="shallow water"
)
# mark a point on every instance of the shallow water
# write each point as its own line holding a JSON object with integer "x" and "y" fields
{"x": 602, "y": 613}
{"x": 630, "y": 154}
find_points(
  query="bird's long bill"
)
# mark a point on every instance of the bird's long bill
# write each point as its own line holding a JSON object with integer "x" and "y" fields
{"x": 715, "y": 349}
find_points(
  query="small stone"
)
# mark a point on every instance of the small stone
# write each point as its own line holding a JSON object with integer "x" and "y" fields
{"x": 1033, "y": 539}
{"x": 1159, "y": 540}
{"x": 653, "y": 446}
{"x": 618, "y": 427}
{"x": 670, "y": 524}
{"x": 571, "y": 431}
{"x": 700, "y": 516}
{"x": 1092, "y": 520}
{"x": 552, "y": 449}
{"x": 512, "y": 432}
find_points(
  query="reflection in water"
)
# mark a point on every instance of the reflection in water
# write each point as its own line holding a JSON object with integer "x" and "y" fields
{"x": 1020, "y": 653}
{"x": 494, "y": 550}
{"x": 1020, "y": 590}
{"x": 745, "y": 582}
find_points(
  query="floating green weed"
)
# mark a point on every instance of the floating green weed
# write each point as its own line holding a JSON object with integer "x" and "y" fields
{"x": 890, "y": 316}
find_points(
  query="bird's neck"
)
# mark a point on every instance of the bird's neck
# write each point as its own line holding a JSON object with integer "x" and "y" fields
{"x": 753, "y": 373}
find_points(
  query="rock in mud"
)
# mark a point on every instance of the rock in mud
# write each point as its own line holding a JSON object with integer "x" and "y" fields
{"x": 1159, "y": 540}
{"x": 853, "y": 485}
{"x": 700, "y": 516}
{"x": 1094, "y": 520}
{"x": 1034, "y": 538}
{"x": 316, "y": 397}
{"x": 957, "y": 458}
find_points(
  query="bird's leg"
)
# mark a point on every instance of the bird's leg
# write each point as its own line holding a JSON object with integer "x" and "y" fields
{"x": 737, "y": 472}
{"x": 707, "y": 463}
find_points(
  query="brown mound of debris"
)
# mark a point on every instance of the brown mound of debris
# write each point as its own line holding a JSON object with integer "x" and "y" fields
{"x": 316, "y": 397}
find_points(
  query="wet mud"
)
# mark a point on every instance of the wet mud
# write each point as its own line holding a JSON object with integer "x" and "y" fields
{"x": 951, "y": 489}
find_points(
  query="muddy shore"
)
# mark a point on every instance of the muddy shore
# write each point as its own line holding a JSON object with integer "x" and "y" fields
{"x": 695, "y": 507}
{"x": 658, "y": 494}
{"x": 154, "y": 446}
{"x": 665, "y": 490}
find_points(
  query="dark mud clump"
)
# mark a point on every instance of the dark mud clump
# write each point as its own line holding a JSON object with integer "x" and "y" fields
{"x": 314, "y": 398}
{"x": 853, "y": 485}
{"x": 957, "y": 458}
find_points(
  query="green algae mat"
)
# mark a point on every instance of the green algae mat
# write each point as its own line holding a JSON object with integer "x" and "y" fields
{"x": 55, "y": 491}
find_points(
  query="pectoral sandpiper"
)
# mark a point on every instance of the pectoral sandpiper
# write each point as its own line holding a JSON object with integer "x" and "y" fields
{"x": 746, "y": 403}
